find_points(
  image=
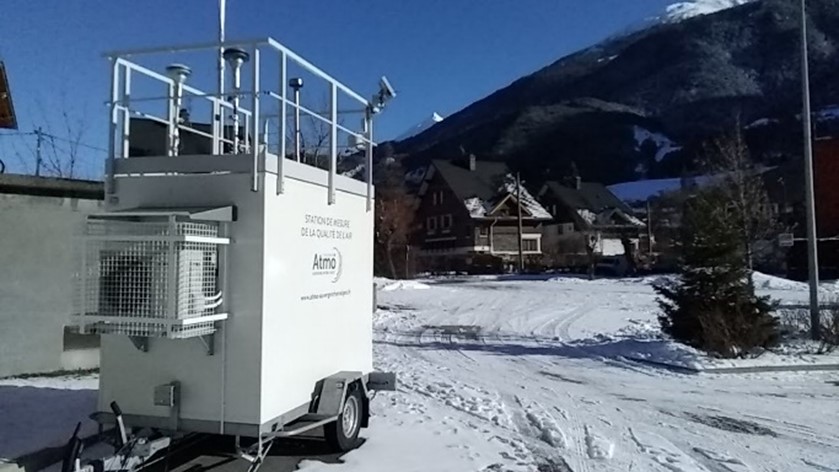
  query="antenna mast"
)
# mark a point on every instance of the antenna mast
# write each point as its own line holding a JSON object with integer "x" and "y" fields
{"x": 221, "y": 20}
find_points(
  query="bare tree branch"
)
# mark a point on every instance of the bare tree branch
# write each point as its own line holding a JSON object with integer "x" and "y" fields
{"x": 394, "y": 214}
{"x": 728, "y": 159}
{"x": 315, "y": 135}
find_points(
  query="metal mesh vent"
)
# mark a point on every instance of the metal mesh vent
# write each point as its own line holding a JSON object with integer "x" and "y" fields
{"x": 150, "y": 278}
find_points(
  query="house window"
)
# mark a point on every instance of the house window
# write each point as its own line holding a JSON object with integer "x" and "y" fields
{"x": 530, "y": 245}
{"x": 434, "y": 198}
{"x": 446, "y": 223}
{"x": 565, "y": 228}
{"x": 483, "y": 231}
{"x": 431, "y": 224}
{"x": 440, "y": 197}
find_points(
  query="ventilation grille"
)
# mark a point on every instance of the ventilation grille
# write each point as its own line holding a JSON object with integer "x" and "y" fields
{"x": 150, "y": 278}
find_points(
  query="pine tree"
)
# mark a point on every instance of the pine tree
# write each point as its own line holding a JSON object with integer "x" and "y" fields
{"x": 712, "y": 306}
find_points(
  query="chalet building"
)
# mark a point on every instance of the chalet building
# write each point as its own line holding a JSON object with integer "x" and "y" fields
{"x": 586, "y": 214}
{"x": 468, "y": 212}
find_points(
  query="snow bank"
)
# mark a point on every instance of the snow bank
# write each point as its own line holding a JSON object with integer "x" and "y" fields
{"x": 770, "y": 282}
{"x": 405, "y": 285}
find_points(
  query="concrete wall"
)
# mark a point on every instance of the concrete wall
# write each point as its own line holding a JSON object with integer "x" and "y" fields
{"x": 37, "y": 259}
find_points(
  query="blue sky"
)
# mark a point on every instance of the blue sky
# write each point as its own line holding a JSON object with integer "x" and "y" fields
{"x": 441, "y": 55}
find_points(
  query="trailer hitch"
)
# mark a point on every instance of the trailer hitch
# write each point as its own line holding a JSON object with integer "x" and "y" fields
{"x": 131, "y": 452}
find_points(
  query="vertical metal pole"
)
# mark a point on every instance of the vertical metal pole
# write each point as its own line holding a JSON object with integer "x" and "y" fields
{"x": 39, "y": 138}
{"x": 521, "y": 229}
{"x": 809, "y": 198}
{"x": 282, "y": 150}
{"x": 255, "y": 151}
{"x": 298, "y": 135}
{"x": 218, "y": 127}
{"x": 171, "y": 315}
{"x": 246, "y": 135}
{"x": 222, "y": 7}
{"x": 237, "y": 77}
{"x": 219, "y": 121}
{"x": 171, "y": 118}
{"x": 83, "y": 277}
{"x": 112, "y": 135}
{"x": 126, "y": 113}
{"x": 218, "y": 110}
{"x": 368, "y": 121}
{"x": 176, "y": 114}
{"x": 333, "y": 142}
{"x": 224, "y": 231}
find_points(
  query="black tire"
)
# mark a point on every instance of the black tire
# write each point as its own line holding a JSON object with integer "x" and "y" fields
{"x": 342, "y": 435}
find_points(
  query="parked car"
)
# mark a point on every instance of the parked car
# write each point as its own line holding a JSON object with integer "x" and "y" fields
{"x": 613, "y": 266}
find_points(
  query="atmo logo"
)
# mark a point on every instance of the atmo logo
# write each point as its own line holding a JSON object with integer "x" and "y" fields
{"x": 328, "y": 264}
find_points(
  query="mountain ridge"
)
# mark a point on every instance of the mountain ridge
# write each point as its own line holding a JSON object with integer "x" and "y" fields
{"x": 685, "y": 80}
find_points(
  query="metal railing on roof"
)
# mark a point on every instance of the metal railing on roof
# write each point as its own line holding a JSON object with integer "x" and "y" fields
{"x": 240, "y": 121}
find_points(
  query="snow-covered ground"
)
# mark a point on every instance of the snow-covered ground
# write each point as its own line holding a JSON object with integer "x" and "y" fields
{"x": 532, "y": 374}
{"x": 506, "y": 374}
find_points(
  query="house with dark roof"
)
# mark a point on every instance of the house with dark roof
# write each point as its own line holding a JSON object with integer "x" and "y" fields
{"x": 469, "y": 211}
{"x": 587, "y": 214}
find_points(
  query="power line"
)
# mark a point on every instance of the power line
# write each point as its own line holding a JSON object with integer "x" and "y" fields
{"x": 58, "y": 138}
{"x": 77, "y": 143}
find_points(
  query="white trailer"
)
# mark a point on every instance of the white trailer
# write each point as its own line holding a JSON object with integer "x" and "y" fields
{"x": 233, "y": 289}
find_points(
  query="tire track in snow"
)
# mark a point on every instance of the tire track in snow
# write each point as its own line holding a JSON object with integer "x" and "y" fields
{"x": 664, "y": 452}
{"x": 540, "y": 432}
{"x": 576, "y": 314}
{"x": 486, "y": 413}
{"x": 792, "y": 430}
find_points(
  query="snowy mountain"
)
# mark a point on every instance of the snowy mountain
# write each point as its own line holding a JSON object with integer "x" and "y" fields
{"x": 640, "y": 105}
{"x": 683, "y": 10}
{"x": 680, "y": 11}
{"x": 420, "y": 127}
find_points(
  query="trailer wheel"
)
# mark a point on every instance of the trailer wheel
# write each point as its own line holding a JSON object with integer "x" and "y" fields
{"x": 342, "y": 434}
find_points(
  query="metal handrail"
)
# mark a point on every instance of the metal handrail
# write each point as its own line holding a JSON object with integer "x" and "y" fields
{"x": 254, "y": 120}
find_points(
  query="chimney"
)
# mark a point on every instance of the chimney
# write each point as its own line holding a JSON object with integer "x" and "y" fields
{"x": 472, "y": 162}
{"x": 578, "y": 182}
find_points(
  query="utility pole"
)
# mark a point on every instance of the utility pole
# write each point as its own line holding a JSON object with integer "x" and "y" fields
{"x": 649, "y": 229}
{"x": 407, "y": 258}
{"x": 809, "y": 197}
{"x": 39, "y": 139}
{"x": 518, "y": 199}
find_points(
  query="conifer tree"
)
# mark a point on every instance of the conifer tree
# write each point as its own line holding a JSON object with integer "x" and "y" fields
{"x": 712, "y": 305}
